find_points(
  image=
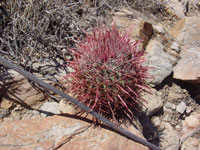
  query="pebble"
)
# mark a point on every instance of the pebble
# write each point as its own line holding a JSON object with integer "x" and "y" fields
{"x": 49, "y": 108}
{"x": 181, "y": 107}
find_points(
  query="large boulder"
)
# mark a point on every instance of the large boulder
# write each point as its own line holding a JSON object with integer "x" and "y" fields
{"x": 62, "y": 133}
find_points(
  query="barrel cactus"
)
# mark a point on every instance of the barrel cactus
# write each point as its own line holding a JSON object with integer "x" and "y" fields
{"x": 109, "y": 73}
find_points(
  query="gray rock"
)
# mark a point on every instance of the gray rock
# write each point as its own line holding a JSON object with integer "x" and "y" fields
{"x": 188, "y": 67}
{"x": 169, "y": 105}
{"x": 175, "y": 46}
{"x": 170, "y": 138}
{"x": 49, "y": 108}
{"x": 175, "y": 7}
{"x": 4, "y": 113}
{"x": 154, "y": 102}
{"x": 191, "y": 143}
{"x": 159, "y": 28}
{"x": 159, "y": 62}
{"x": 181, "y": 107}
{"x": 187, "y": 32}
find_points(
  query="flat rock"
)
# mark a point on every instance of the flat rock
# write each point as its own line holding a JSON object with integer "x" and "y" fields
{"x": 62, "y": 133}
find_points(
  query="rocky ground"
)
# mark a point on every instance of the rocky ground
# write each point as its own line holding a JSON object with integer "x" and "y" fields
{"x": 33, "y": 119}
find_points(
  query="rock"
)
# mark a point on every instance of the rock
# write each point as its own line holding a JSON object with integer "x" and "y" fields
{"x": 169, "y": 105}
{"x": 181, "y": 107}
{"x": 174, "y": 7}
{"x": 168, "y": 109}
{"x": 154, "y": 102}
{"x": 159, "y": 62}
{"x": 49, "y": 108}
{"x": 175, "y": 46}
{"x": 4, "y": 113}
{"x": 175, "y": 93}
{"x": 191, "y": 144}
{"x": 65, "y": 107}
{"x": 131, "y": 26}
{"x": 169, "y": 137}
{"x": 16, "y": 89}
{"x": 145, "y": 33}
{"x": 190, "y": 125}
{"x": 62, "y": 133}
{"x": 6, "y": 104}
{"x": 156, "y": 121}
{"x": 159, "y": 29}
{"x": 137, "y": 28}
{"x": 187, "y": 32}
{"x": 188, "y": 67}
{"x": 188, "y": 110}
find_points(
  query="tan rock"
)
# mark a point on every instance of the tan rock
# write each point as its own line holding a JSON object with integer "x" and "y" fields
{"x": 187, "y": 32}
{"x": 188, "y": 67}
{"x": 62, "y": 133}
{"x": 6, "y": 104}
{"x": 65, "y": 107}
{"x": 190, "y": 125}
{"x": 18, "y": 90}
{"x": 137, "y": 28}
{"x": 174, "y": 7}
{"x": 132, "y": 26}
{"x": 191, "y": 144}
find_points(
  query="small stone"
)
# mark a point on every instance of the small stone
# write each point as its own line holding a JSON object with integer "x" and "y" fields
{"x": 175, "y": 93}
{"x": 64, "y": 107}
{"x": 3, "y": 113}
{"x": 188, "y": 110}
{"x": 159, "y": 28}
{"x": 49, "y": 109}
{"x": 168, "y": 117}
{"x": 181, "y": 108}
{"x": 175, "y": 46}
{"x": 169, "y": 105}
{"x": 178, "y": 127}
{"x": 156, "y": 121}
